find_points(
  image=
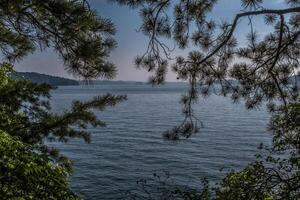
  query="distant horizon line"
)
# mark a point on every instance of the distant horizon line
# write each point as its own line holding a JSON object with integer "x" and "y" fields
{"x": 113, "y": 80}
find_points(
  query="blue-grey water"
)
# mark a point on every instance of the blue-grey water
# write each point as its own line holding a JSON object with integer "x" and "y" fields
{"x": 131, "y": 146}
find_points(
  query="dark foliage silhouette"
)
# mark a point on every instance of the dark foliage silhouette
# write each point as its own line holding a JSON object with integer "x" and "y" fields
{"x": 265, "y": 69}
{"x": 29, "y": 169}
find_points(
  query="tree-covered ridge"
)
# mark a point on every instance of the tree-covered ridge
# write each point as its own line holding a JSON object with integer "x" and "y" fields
{"x": 43, "y": 78}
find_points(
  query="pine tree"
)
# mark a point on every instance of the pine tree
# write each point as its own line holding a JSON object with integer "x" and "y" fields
{"x": 29, "y": 169}
{"x": 265, "y": 70}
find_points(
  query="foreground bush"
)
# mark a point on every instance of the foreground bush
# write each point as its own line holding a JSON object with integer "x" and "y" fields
{"x": 25, "y": 174}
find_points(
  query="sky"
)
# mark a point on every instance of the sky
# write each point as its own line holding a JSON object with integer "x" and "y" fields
{"x": 132, "y": 43}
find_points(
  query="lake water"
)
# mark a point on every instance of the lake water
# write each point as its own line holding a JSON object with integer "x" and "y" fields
{"x": 131, "y": 146}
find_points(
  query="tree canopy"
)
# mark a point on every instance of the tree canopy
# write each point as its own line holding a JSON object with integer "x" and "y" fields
{"x": 264, "y": 70}
{"x": 30, "y": 169}
{"x": 264, "y": 67}
{"x": 25, "y": 174}
{"x": 82, "y": 38}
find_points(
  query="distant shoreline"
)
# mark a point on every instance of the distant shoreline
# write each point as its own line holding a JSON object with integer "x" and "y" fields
{"x": 60, "y": 81}
{"x": 44, "y": 78}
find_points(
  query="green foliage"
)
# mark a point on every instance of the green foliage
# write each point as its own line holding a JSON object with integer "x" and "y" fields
{"x": 25, "y": 174}
{"x": 30, "y": 169}
{"x": 257, "y": 181}
{"x": 286, "y": 129}
{"x": 25, "y": 113}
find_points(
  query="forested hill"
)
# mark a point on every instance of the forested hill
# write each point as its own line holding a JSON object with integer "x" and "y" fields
{"x": 43, "y": 78}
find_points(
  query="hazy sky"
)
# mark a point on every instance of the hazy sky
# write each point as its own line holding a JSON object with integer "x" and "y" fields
{"x": 131, "y": 42}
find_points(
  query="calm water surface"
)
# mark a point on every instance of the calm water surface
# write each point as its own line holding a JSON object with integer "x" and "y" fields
{"x": 131, "y": 146}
